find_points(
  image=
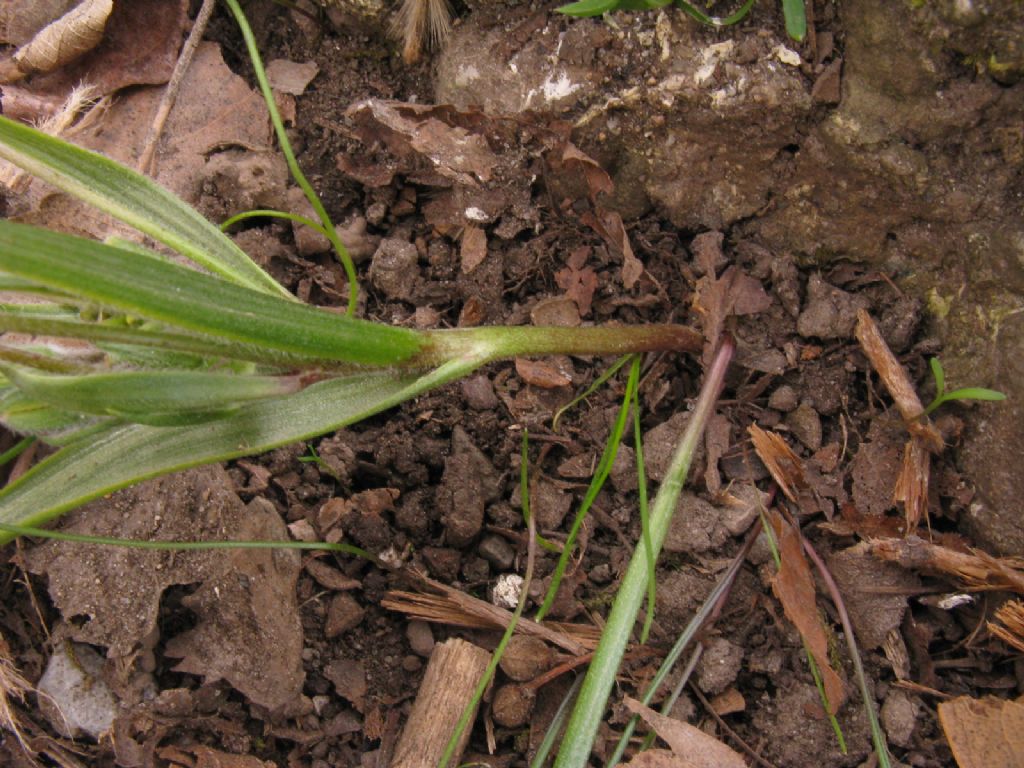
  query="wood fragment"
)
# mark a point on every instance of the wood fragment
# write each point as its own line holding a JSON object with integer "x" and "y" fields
{"x": 896, "y": 379}
{"x": 977, "y": 570}
{"x": 452, "y": 674}
{"x": 912, "y": 485}
{"x": 1010, "y": 626}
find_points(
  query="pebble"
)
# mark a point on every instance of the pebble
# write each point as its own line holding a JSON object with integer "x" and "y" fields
{"x": 479, "y": 393}
{"x": 495, "y": 550}
{"x": 806, "y": 425}
{"x": 420, "y": 637}
{"x": 343, "y": 613}
{"x": 784, "y": 399}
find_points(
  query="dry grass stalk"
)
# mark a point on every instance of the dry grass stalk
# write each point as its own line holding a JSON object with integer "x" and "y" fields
{"x": 12, "y": 686}
{"x": 459, "y": 609}
{"x": 1011, "y": 630}
{"x": 977, "y": 570}
{"x": 912, "y": 486}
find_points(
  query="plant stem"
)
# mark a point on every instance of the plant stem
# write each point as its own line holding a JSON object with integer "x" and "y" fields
{"x": 586, "y": 718}
{"x": 493, "y": 343}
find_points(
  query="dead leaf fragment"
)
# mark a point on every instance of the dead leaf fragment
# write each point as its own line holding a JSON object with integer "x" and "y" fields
{"x": 72, "y": 35}
{"x": 207, "y": 757}
{"x": 977, "y": 570}
{"x": 793, "y": 585}
{"x": 474, "y": 248}
{"x": 291, "y": 77}
{"x": 696, "y": 748}
{"x": 785, "y": 466}
{"x": 984, "y": 733}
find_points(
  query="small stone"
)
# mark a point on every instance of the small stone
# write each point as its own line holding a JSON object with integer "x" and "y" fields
{"x": 513, "y": 705}
{"x": 742, "y": 505}
{"x": 899, "y": 717}
{"x": 443, "y": 562}
{"x": 375, "y": 213}
{"x": 601, "y": 574}
{"x": 560, "y": 311}
{"x": 475, "y": 569}
{"x": 495, "y": 550}
{"x": 479, "y": 393}
{"x": 343, "y": 613}
{"x": 829, "y": 313}
{"x": 420, "y": 637}
{"x": 394, "y": 270}
{"x": 783, "y": 399}
{"x": 302, "y": 530}
{"x": 411, "y": 663}
{"x": 719, "y": 666}
{"x": 525, "y": 657}
{"x": 806, "y": 425}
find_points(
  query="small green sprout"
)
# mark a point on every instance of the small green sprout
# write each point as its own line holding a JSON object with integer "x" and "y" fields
{"x": 964, "y": 393}
{"x": 792, "y": 10}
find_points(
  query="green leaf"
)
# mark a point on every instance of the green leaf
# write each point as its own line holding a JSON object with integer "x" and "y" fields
{"x": 135, "y": 200}
{"x": 716, "y": 21}
{"x": 939, "y": 375}
{"x": 120, "y": 456}
{"x": 157, "y": 398}
{"x": 974, "y": 393}
{"x": 585, "y": 8}
{"x": 796, "y": 19}
{"x": 27, "y": 416}
{"x": 195, "y": 301}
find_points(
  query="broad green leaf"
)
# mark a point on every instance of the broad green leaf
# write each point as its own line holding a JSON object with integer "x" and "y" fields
{"x": 156, "y": 398}
{"x": 192, "y": 300}
{"x": 796, "y": 19}
{"x": 135, "y": 200}
{"x": 584, "y": 8}
{"x": 120, "y": 456}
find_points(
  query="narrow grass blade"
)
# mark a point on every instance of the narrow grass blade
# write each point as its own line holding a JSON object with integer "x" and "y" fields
{"x": 597, "y": 685}
{"x": 585, "y": 8}
{"x": 118, "y": 457}
{"x": 156, "y": 398}
{"x": 189, "y": 299}
{"x": 135, "y": 200}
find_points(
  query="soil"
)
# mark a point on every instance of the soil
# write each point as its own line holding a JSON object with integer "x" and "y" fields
{"x": 295, "y": 661}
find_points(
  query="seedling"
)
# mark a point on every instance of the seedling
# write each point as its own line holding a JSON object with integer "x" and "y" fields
{"x": 964, "y": 393}
{"x": 793, "y": 11}
{"x": 196, "y": 367}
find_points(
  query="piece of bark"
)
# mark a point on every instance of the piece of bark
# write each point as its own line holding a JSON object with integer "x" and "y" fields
{"x": 452, "y": 674}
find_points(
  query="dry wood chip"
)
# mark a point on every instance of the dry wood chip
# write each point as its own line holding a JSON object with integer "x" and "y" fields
{"x": 474, "y": 248}
{"x": 976, "y": 569}
{"x": 1011, "y": 628}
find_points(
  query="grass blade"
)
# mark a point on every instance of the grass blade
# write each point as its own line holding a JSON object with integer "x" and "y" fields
{"x": 189, "y": 299}
{"x": 118, "y": 457}
{"x": 135, "y": 200}
{"x": 597, "y": 685}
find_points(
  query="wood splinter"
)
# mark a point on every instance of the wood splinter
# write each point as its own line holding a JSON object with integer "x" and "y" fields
{"x": 453, "y": 672}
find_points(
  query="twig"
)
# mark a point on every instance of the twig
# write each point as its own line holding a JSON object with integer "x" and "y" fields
{"x": 725, "y": 727}
{"x": 145, "y": 164}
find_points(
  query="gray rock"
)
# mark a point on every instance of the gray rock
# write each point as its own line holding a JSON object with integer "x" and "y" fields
{"x": 393, "y": 270}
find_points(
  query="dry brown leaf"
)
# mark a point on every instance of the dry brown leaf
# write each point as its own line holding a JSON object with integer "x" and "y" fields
{"x": 1011, "y": 628}
{"x": 291, "y": 77}
{"x": 432, "y": 132}
{"x": 696, "y": 748}
{"x": 598, "y": 180}
{"x": 474, "y": 248}
{"x": 62, "y": 41}
{"x": 207, "y": 757}
{"x": 578, "y": 281}
{"x": 793, "y": 585}
{"x": 976, "y": 569}
{"x": 248, "y": 630}
{"x": 140, "y": 46}
{"x": 984, "y": 733}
